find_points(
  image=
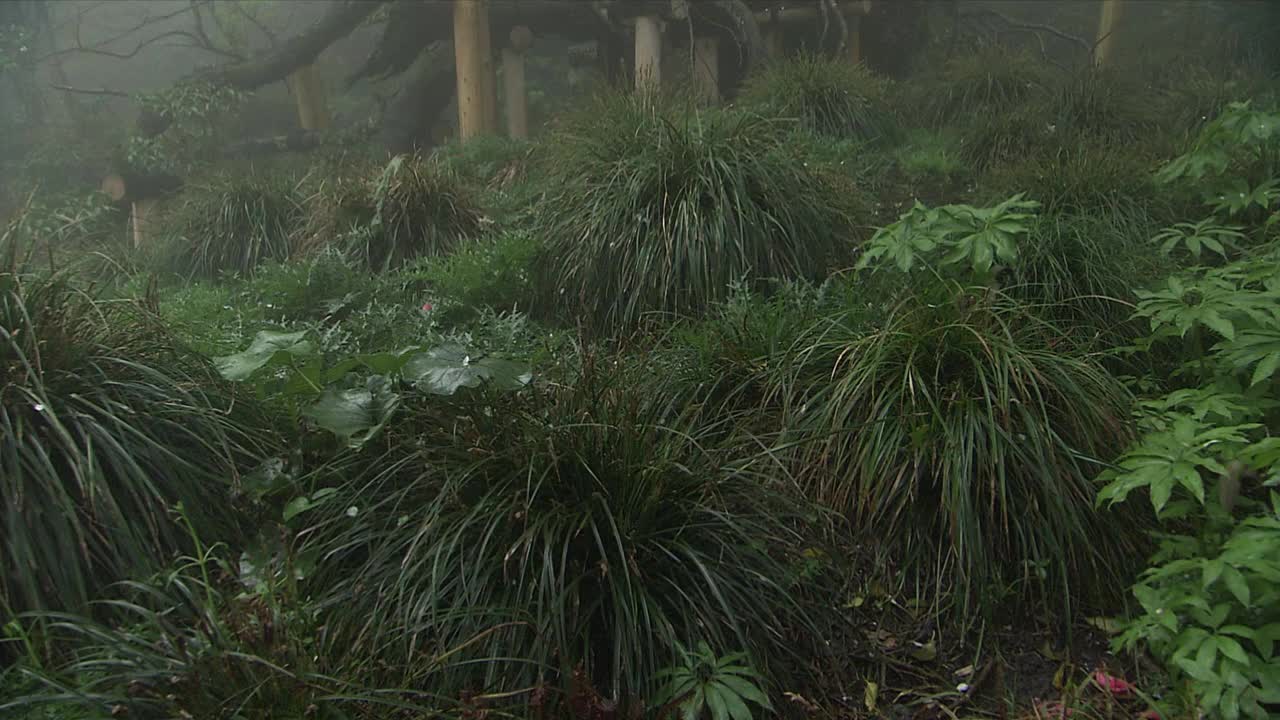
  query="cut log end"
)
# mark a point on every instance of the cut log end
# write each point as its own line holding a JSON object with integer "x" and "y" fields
{"x": 115, "y": 187}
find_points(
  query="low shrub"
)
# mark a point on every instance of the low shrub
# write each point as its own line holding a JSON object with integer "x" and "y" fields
{"x": 992, "y": 138}
{"x": 210, "y": 638}
{"x": 106, "y": 425}
{"x": 969, "y": 432}
{"x": 230, "y": 224}
{"x": 653, "y": 211}
{"x": 827, "y": 96}
{"x": 1080, "y": 271}
{"x": 583, "y": 532}
{"x": 1079, "y": 179}
{"x": 992, "y": 80}
{"x": 1100, "y": 110}
{"x": 412, "y": 208}
{"x": 82, "y": 232}
{"x": 1109, "y": 107}
{"x": 487, "y": 161}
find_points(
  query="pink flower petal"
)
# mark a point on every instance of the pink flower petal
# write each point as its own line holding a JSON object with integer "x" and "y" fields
{"x": 426, "y": 307}
{"x": 1112, "y": 684}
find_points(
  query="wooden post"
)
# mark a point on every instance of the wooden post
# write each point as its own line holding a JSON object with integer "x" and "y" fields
{"x": 308, "y": 93}
{"x": 514, "y": 89}
{"x": 488, "y": 71}
{"x": 854, "y": 23}
{"x": 648, "y": 52}
{"x": 773, "y": 40}
{"x": 706, "y": 69}
{"x": 467, "y": 19}
{"x": 1107, "y": 21}
{"x": 140, "y": 215}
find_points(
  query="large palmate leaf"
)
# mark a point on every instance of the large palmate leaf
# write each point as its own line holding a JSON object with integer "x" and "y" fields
{"x": 1172, "y": 458}
{"x": 445, "y": 369}
{"x": 972, "y": 237}
{"x": 1207, "y": 234}
{"x": 1259, "y": 349}
{"x": 268, "y": 348}
{"x": 357, "y": 414}
{"x": 1214, "y": 301}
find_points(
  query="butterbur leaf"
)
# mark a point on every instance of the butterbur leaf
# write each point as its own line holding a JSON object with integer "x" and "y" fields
{"x": 446, "y": 369}
{"x": 356, "y": 415}
{"x": 267, "y": 348}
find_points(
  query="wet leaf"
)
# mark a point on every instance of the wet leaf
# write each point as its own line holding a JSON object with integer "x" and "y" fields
{"x": 443, "y": 370}
{"x": 356, "y": 415}
{"x": 267, "y": 348}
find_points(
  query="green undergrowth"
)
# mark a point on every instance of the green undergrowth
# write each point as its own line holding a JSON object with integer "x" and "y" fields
{"x": 587, "y": 530}
{"x": 108, "y": 423}
{"x": 389, "y": 216}
{"x": 711, "y": 412}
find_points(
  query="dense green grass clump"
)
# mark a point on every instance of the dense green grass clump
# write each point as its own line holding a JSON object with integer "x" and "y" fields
{"x": 650, "y": 210}
{"x": 1080, "y": 270}
{"x": 105, "y": 426}
{"x": 411, "y": 208}
{"x": 991, "y": 80}
{"x": 966, "y": 432}
{"x": 1083, "y": 178}
{"x": 827, "y": 96}
{"x": 1100, "y": 109}
{"x": 589, "y": 528}
{"x": 231, "y": 224}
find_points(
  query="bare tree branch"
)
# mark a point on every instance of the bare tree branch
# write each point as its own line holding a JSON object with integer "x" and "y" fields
{"x": 1034, "y": 27}
{"x": 90, "y": 91}
{"x": 200, "y": 40}
{"x": 266, "y": 32}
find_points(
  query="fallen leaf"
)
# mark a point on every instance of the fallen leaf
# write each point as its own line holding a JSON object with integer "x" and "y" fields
{"x": 926, "y": 652}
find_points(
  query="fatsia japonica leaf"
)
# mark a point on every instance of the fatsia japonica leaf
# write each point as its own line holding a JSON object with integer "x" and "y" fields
{"x": 1222, "y": 404}
{"x": 964, "y": 235}
{"x": 1198, "y": 237}
{"x": 1257, "y": 349}
{"x": 1238, "y": 197}
{"x": 1163, "y": 461}
{"x": 1214, "y": 301}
